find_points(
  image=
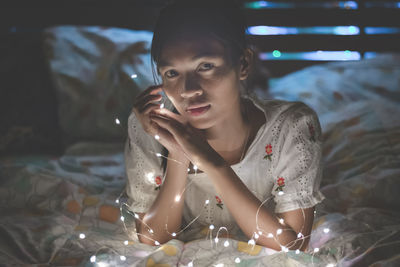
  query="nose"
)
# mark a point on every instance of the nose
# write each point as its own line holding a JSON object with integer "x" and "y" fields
{"x": 191, "y": 87}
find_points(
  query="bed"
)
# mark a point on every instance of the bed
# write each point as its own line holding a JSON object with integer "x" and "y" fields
{"x": 68, "y": 209}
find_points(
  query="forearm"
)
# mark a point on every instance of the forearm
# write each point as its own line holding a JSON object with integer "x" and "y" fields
{"x": 165, "y": 215}
{"x": 246, "y": 210}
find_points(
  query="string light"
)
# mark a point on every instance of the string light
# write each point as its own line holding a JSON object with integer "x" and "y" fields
{"x": 151, "y": 231}
{"x": 219, "y": 265}
{"x": 297, "y": 251}
{"x": 280, "y": 193}
{"x": 188, "y": 170}
{"x": 117, "y": 201}
{"x": 211, "y": 227}
{"x": 300, "y": 235}
{"x": 256, "y": 236}
{"x": 177, "y": 198}
{"x": 123, "y": 258}
{"x": 156, "y": 243}
{"x": 117, "y": 121}
{"x": 82, "y": 236}
{"x": 173, "y": 234}
{"x": 284, "y": 249}
{"x": 162, "y": 105}
{"x": 158, "y": 154}
{"x": 237, "y": 260}
{"x": 136, "y": 216}
{"x": 157, "y": 137}
{"x": 279, "y": 231}
{"x": 134, "y": 76}
{"x": 126, "y": 242}
{"x": 270, "y": 235}
{"x": 281, "y": 221}
{"x": 316, "y": 250}
{"x": 251, "y": 242}
{"x": 122, "y": 218}
{"x": 259, "y": 232}
{"x": 330, "y": 265}
{"x": 207, "y": 201}
{"x": 326, "y": 230}
{"x": 226, "y": 243}
{"x": 216, "y": 240}
{"x": 190, "y": 264}
{"x": 195, "y": 167}
{"x": 93, "y": 258}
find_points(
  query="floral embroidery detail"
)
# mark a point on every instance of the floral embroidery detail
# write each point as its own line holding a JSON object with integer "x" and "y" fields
{"x": 312, "y": 131}
{"x": 158, "y": 182}
{"x": 219, "y": 202}
{"x": 268, "y": 150}
{"x": 281, "y": 183}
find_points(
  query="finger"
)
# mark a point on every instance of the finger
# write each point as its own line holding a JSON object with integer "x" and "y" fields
{"x": 149, "y": 108}
{"x": 166, "y": 112}
{"x": 151, "y": 90}
{"x": 171, "y": 125}
{"x": 142, "y": 102}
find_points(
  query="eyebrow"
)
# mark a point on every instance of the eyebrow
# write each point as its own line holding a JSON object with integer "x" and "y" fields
{"x": 164, "y": 63}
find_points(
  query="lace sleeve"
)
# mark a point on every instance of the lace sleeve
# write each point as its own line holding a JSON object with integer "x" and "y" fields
{"x": 143, "y": 167}
{"x": 298, "y": 170}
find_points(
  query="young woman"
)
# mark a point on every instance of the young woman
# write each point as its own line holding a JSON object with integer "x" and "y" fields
{"x": 234, "y": 163}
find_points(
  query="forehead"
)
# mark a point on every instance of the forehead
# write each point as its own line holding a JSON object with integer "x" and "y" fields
{"x": 189, "y": 48}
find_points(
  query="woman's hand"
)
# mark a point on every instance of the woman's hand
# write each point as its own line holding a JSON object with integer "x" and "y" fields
{"x": 174, "y": 130}
{"x": 146, "y": 104}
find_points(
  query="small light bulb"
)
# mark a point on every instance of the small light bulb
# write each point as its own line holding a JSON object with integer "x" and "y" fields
{"x": 280, "y": 193}
{"x": 93, "y": 258}
{"x": 207, "y": 201}
{"x": 326, "y": 230}
{"x": 190, "y": 264}
{"x": 219, "y": 265}
{"x": 158, "y": 154}
{"x": 162, "y": 105}
{"x": 300, "y": 235}
{"x": 237, "y": 260}
{"x": 279, "y": 231}
{"x": 216, "y": 240}
{"x": 117, "y": 121}
{"x": 297, "y": 251}
{"x": 157, "y": 137}
{"x": 177, "y": 198}
{"x": 123, "y": 258}
{"x": 211, "y": 227}
{"x": 122, "y": 218}
{"x": 173, "y": 234}
{"x": 330, "y": 265}
{"x": 195, "y": 167}
{"x": 259, "y": 232}
{"x": 281, "y": 221}
{"x": 134, "y": 76}
{"x": 316, "y": 250}
{"x": 270, "y": 235}
{"x": 117, "y": 201}
{"x": 256, "y": 236}
{"x": 285, "y": 249}
{"x": 82, "y": 236}
{"x": 126, "y": 242}
{"x": 157, "y": 243}
{"x": 188, "y": 170}
{"x": 136, "y": 216}
{"x": 226, "y": 243}
{"x": 251, "y": 242}
{"x": 151, "y": 231}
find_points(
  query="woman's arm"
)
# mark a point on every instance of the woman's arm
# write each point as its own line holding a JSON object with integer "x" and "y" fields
{"x": 243, "y": 206}
{"x": 165, "y": 215}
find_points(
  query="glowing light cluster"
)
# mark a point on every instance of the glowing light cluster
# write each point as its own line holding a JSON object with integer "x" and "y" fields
{"x": 312, "y": 56}
{"x": 324, "y": 30}
{"x": 293, "y": 4}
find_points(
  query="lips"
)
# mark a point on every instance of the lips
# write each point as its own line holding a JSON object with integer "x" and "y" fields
{"x": 198, "y": 110}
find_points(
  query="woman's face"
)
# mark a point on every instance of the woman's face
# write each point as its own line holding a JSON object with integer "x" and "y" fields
{"x": 200, "y": 80}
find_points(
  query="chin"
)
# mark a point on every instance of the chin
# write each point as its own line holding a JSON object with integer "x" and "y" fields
{"x": 201, "y": 124}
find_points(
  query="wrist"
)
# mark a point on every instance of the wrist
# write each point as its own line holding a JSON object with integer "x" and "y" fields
{"x": 179, "y": 158}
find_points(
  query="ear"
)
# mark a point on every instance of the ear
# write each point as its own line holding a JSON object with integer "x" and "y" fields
{"x": 246, "y": 62}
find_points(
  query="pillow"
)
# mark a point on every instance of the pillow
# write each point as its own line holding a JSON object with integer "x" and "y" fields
{"x": 332, "y": 86}
{"x": 97, "y": 72}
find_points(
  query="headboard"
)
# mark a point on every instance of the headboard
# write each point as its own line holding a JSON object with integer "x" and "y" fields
{"x": 280, "y": 30}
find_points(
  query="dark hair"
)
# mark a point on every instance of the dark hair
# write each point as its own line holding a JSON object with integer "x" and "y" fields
{"x": 223, "y": 19}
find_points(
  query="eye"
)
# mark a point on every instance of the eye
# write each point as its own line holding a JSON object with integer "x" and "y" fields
{"x": 206, "y": 66}
{"x": 170, "y": 74}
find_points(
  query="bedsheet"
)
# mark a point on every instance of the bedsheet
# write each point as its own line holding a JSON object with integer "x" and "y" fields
{"x": 63, "y": 211}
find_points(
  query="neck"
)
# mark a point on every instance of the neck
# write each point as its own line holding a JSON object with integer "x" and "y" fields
{"x": 231, "y": 133}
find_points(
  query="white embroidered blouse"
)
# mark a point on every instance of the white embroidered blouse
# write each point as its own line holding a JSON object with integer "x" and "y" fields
{"x": 282, "y": 167}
